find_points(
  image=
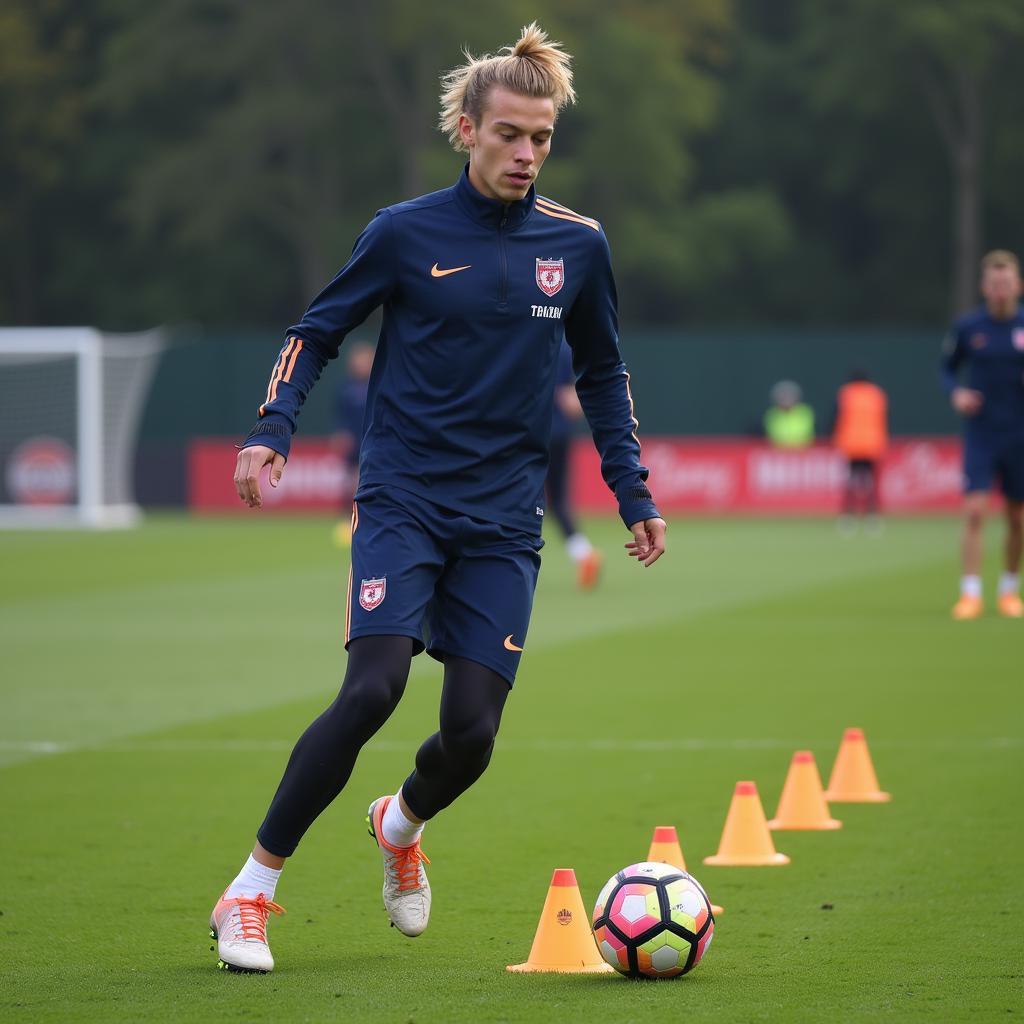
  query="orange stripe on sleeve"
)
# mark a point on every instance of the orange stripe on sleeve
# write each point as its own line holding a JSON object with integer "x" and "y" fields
{"x": 291, "y": 365}
{"x": 564, "y": 216}
{"x": 270, "y": 383}
{"x": 280, "y": 369}
{"x": 275, "y": 375}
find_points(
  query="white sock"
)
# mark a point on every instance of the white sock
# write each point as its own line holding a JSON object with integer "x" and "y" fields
{"x": 970, "y": 586}
{"x": 1009, "y": 583}
{"x": 579, "y": 547}
{"x": 253, "y": 879}
{"x": 397, "y": 829}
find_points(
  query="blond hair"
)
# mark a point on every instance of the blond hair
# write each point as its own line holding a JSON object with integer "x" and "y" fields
{"x": 998, "y": 259}
{"x": 533, "y": 67}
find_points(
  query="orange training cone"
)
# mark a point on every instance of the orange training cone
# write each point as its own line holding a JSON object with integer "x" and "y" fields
{"x": 564, "y": 942}
{"x": 746, "y": 841}
{"x": 665, "y": 849}
{"x": 802, "y": 804}
{"x": 853, "y": 779}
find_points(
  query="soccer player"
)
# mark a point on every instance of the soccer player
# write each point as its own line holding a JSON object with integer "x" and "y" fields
{"x": 479, "y": 283}
{"x": 989, "y": 344}
{"x": 565, "y": 410}
{"x": 861, "y": 433}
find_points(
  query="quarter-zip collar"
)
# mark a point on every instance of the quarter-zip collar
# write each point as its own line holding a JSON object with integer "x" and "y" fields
{"x": 492, "y": 212}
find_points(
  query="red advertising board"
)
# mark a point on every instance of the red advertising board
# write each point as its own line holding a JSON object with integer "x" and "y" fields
{"x": 727, "y": 475}
{"x": 314, "y": 479}
{"x": 687, "y": 475}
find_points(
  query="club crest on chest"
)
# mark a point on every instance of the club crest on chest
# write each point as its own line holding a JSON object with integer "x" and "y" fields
{"x": 550, "y": 276}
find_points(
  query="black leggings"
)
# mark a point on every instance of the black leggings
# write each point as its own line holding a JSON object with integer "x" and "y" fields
{"x": 447, "y": 764}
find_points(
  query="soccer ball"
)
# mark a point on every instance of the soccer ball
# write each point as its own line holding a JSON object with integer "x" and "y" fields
{"x": 653, "y": 921}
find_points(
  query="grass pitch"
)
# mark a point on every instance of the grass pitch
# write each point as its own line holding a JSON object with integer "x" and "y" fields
{"x": 154, "y": 681}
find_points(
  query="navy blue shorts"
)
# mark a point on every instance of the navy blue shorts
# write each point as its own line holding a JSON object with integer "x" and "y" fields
{"x": 458, "y": 586}
{"x": 984, "y": 461}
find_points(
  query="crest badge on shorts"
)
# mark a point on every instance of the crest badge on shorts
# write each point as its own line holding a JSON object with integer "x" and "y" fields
{"x": 371, "y": 592}
{"x": 550, "y": 276}
{"x": 1018, "y": 338}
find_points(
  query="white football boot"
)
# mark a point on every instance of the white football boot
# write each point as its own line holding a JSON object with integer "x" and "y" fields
{"x": 406, "y": 889}
{"x": 240, "y": 927}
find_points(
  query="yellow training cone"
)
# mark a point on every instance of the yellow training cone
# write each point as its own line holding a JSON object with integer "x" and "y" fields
{"x": 802, "y": 804}
{"x": 853, "y": 779}
{"x": 746, "y": 841}
{"x": 564, "y": 943}
{"x": 665, "y": 849}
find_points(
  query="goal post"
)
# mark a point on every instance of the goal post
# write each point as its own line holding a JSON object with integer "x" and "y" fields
{"x": 71, "y": 399}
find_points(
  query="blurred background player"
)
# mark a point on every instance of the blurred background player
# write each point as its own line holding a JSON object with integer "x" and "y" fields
{"x": 789, "y": 422}
{"x": 566, "y": 410}
{"x": 861, "y": 433}
{"x": 347, "y": 429}
{"x": 988, "y": 345}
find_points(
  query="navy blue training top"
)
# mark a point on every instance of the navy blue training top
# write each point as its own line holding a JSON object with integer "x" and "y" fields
{"x": 993, "y": 352}
{"x": 477, "y": 296}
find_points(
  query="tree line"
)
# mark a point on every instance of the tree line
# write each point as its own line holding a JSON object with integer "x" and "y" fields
{"x": 792, "y": 162}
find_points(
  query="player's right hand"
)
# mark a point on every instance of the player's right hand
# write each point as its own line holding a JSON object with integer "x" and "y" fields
{"x": 248, "y": 466}
{"x": 967, "y": 401}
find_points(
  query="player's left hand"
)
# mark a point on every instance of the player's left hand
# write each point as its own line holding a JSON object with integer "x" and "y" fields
{"x": 648, "y": 543}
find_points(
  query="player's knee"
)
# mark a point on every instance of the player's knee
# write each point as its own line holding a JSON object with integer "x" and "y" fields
{"x": 378, "y": 668}
{"x": 372, "y": 693}
{"x": 469, "y": 741}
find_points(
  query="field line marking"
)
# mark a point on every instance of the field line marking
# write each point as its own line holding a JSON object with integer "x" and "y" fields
{"x": 185, "y": 746}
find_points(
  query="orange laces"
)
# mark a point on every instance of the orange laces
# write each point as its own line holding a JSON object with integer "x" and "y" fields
{"x": 254, "y": 914}
{"x": 407, "y": 866}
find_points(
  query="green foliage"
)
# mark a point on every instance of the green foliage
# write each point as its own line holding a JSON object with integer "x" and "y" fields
{"x": 263, "y": 139}
{"x": 912, "y": 64}
{"x": 213, "y": 160}
{"x": 647, "y": 92}
{"x": 43, "y": 58}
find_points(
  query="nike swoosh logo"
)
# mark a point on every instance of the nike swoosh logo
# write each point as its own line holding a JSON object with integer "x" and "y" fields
{"x": 509, "y": 646}
{"x": 434, "y": 272}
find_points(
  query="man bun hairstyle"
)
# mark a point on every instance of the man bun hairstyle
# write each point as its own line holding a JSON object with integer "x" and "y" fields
{"x": 533, "y": 67}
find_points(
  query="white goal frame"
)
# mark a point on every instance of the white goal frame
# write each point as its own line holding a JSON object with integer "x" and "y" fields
{"x": 89, "y": 347}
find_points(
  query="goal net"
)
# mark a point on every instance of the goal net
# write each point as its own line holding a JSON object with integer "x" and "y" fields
{"x": 70, "y": 403}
